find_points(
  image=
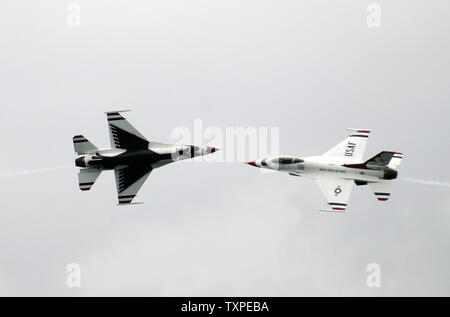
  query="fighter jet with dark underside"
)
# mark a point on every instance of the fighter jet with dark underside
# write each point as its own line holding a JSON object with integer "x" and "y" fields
{"x": 131, "y": 156}
{"x": 337, "y": 170}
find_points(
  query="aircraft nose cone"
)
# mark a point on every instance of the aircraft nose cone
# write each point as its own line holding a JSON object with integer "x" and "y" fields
{"x": 212, "y": 149}
{"x": 252, "y": 163}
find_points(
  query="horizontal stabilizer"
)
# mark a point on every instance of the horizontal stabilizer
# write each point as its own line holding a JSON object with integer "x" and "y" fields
{"x": 82, "y": 145}
{"x": 381, "y": 190}
{"x": 87, "y": 177}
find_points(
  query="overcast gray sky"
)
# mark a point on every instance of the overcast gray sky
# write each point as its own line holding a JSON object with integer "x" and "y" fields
{"x": 310, "y": 68}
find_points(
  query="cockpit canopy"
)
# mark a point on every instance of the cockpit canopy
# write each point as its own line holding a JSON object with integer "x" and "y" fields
{"x": 284, "y": 160}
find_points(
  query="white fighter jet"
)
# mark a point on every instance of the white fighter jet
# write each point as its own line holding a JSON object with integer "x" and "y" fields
{"x": 131, "y": 156}
{"x": 337, "y": 170}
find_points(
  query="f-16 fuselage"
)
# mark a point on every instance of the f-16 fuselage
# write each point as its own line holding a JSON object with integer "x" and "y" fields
{"x": 159, "y": 155}
{"x": 316, "y": 167}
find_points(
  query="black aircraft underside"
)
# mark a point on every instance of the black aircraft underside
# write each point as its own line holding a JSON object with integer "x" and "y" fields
{"x": 135, "y": 158}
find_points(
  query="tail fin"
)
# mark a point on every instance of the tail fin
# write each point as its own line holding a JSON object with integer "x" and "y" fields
{"x": 82, "y": 145}
{"x": 87, "y": 177}
{"x": 396, "y": 160}
{"x": 385, "y": 159}
{"x": 352, "y": 147}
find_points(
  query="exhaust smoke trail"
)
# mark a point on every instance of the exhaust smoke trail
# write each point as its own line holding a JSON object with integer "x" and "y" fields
{"x": 34, "y": 171}
{"x": 426, "y": 182}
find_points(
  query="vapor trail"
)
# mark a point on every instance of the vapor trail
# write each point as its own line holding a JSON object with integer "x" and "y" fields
{"x": 426, "y": 182}
{"x": 34, "y": 171}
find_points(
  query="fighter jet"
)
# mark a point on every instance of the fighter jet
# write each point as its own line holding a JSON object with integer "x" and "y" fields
{"x": 131, "y": 156}
{"x": 337, "y": 170}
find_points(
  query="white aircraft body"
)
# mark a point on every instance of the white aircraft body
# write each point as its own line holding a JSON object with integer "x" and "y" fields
{"x": 131, "y": 156}
{"x": 337, "y": 170}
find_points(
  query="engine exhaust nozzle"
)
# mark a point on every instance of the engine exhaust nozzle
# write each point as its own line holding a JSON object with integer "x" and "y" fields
{"x": 390, "y": 174}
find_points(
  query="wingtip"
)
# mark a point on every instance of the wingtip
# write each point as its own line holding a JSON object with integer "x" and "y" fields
{"x": 116, "y": 111}
{"x": 362, "y": 130}
{"x": 133, "y": 203}
{"x": 333, "y": 210}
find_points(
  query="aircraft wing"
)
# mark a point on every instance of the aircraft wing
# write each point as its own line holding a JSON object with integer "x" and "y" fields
{"x": 123, "y": 135}
{"x": 336, "y": 191}
{"x": 129, "y": 179}
{"x": 352, "y": 147}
